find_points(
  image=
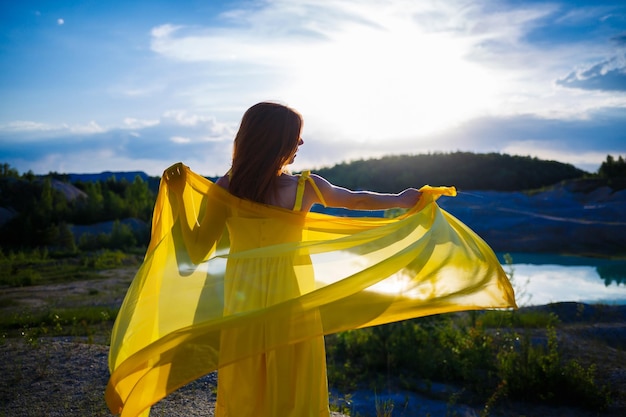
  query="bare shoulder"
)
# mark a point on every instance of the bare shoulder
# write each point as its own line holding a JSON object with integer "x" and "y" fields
{"x": 288, "y": 178}
{"x": 321, "y": 193}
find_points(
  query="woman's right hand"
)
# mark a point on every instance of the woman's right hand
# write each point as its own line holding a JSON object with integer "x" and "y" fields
{"x": 176, "y": 177}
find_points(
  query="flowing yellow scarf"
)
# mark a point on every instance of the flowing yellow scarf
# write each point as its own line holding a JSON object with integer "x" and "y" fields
{"x": 348, "y": 273}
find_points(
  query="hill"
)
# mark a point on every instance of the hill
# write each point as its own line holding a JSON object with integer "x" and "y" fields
{"x": 127, "y": 176}
{"x": 103, "y": 176}
{"x": 465, "y": 170}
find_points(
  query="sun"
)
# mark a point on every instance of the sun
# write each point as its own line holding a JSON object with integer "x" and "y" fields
{"x": 378, "y": 84}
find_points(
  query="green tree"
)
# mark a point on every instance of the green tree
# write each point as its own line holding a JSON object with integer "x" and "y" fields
{"x": 114, "y": 205}
{"x": 66, "y": 238}
{"x": 139, "y": 199}
{"x": 46, "y": 200}
{"x": 7, "y": 172}
{"x": 95, "y": 203}
{"x": 122, "y": 236}
{"x": 612, "y": 168}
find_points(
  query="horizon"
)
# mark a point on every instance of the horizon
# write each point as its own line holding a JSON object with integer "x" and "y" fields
{"x": 305, "y": 168}
{"x": 140, "y": 85}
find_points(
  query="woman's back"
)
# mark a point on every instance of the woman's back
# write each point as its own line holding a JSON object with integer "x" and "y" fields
{"x": 248, "y": 229}
{"x": 284, "y": 192}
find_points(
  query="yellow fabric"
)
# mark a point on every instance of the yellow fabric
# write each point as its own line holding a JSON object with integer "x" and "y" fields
{"x": 257, "y": 308}
{"x": 302, "y": 179}
{"x": 297, "y": 206}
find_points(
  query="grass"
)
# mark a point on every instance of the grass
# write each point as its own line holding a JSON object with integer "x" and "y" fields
{"x": 39, "y": 267}
{"x": 89, "y": 322}
{"x": 89, "y": 313}
{"x": 384, "y": 408}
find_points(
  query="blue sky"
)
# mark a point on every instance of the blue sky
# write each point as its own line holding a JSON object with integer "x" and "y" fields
{"x": 89, "y": 86}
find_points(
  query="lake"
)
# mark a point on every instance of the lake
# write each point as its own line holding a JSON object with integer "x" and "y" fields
{"x": 545, "y": 278}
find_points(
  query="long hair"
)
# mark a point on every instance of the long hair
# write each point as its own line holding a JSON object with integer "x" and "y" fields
{"x": 266, "y": 141}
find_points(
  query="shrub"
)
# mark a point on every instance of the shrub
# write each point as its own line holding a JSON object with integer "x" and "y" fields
{"x": 536, "y": 372}
{"x": 492, "y": 363}
{"x": 109, "y": 259}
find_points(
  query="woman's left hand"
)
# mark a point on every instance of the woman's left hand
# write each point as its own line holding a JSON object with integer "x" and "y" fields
{"x": 176, "y": 177}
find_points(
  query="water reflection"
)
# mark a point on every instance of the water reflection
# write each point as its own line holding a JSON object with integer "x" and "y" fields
{"x": 553, "y": 278}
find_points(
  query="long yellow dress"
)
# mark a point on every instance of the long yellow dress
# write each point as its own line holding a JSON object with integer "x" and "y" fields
{"x": 257, "y": 307}
{"x": 288, "y": 381}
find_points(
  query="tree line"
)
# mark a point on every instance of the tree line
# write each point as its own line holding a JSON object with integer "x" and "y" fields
{"x": 465, "y": 170}
{"x": 40, "y": 211}
{"x": 612, "y": 168}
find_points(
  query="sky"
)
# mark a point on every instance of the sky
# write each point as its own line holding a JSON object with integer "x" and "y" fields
{"x": 92, "y": 86}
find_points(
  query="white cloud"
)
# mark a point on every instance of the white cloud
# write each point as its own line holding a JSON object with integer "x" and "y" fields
{"x": 60, "y": 22}
{"x": 99, "y": 161}
{"x": 368, "y": 71}
{"x": 132, "y": 123}
{"x": 89, "y": 128}
{"x": 183, "y": 118}
{"x": 608, "y": 75}
{"x": 208, "y": 124}
{"x": 354, "y": 61}
{"x": 180, "y": 139}
{"x": 25, "y": 126}
{"x": 137, "y": 91}
{"x": 164, "y": 31}
{"x": 38, "y": 127}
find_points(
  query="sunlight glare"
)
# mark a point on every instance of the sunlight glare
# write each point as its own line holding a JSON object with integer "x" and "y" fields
{"x": 382, "y": 83}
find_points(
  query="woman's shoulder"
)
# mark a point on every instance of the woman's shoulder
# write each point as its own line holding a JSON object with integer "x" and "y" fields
{"x": 320, "y": 181}
{"x": 223, "y": 182}
{"x": 288, "y": 178}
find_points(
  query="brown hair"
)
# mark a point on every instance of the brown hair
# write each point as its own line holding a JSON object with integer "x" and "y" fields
{"x": 266, "y": 141}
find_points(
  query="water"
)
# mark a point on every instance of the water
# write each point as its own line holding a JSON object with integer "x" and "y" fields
{"x": 544, "y": 278}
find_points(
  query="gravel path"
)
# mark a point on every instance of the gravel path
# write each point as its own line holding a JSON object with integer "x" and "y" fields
{"x": 65, "y": 377}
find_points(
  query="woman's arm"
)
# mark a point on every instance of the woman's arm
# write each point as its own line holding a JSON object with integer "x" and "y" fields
{"x": 199, "y": 238}
{"x": 363, "y": 200}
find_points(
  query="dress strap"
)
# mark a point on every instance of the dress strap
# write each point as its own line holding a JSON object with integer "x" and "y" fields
{"x": 304, "y": 177}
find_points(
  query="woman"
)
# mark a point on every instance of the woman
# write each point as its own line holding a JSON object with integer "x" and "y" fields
{"x": 291, "y": 380}
{"x": 266, "y": 143}
{"x": 255, "y": 302}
